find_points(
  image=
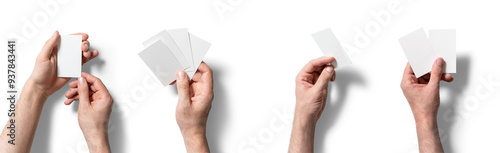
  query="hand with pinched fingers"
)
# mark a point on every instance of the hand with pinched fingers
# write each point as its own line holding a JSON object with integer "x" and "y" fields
{"x": 44, "y": 75}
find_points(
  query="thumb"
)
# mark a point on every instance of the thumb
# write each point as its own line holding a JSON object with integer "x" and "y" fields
{"x": 436, "y": 73}
{"x": 49, "y": 46}
{"x": 183, "y": 86}
{"x": 324, "y": 78}
{"x": 83, "y": 92}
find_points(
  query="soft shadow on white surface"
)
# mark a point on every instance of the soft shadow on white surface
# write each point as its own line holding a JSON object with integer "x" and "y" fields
{"x": 333, "y": 109}
{"x": 43, "y": 134}
{"x": 217, "y": 119}
{"x": 450, "y": 107}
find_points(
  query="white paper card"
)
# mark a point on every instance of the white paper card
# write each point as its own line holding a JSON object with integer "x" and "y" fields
{"x": 170, "y": 43}
{"x": 330, "y": 46}
{"x": 161, "y": 62}
{"x": 444, "y": 43}
{"x": 419, "y": 52}
{"x": 181, "y": 38}
{"x": 69, "y": 56}
{"x": 199, "y": 48}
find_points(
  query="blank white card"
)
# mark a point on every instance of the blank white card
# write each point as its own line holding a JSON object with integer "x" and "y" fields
{"x": 69, "y": 56}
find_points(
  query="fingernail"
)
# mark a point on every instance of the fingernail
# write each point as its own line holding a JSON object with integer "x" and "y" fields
{"x": 329, "y": 69}
{"x": 439, "y": 62}
{"x": 81, "y": 81}
{"x": 87, "y": 45}
{"x": 55, "y": 34}
{"x": 181, "y": 75}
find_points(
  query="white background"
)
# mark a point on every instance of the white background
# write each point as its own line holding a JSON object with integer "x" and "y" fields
{"x": 257, "y": 49}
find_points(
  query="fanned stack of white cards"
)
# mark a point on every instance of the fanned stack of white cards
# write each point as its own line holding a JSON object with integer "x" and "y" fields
{"x": 330, "y": 46}
{"x": 171, "y": 51}
{"x": 421, "y": 50}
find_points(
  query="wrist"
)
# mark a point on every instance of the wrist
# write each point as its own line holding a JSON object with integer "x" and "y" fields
{"x": 34, "y": 95}
{"x": 196, "y": 142}
{"x": 97, "y": 142}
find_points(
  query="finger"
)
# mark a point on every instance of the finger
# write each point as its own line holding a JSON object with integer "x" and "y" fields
{"x": 85, "y": 49}
{"x": 324, "y": 78}
{"x": 447, "y": 77}
{"x": 437, "y": 70}
{"x": 73, "y": 84}
{"x": 83, "y": 91}
{"x": 68, "y": 101}
{"x": 183, "y": 88}
{"x": 49, "y": 46}
{"x": 317, "y": 63}
{"x": 333, "y": 76}
{"x": 96, "y": 82}
{"x": 71, "y": 93}
{"x": 93, "y": 54}
{"x": 206, "y": 74}
{"x": 84, "y": 36}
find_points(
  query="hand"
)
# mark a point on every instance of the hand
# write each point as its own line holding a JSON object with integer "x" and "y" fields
{"x": 423, "y": 96}
{"x": 311, "y": 91}
{"x": 423, "y": 93}
{"x": 312, "y": 88}
{"x": 195, "y": 101}
{"x": 44, "y": 76}
{"x": 94, "y": 110}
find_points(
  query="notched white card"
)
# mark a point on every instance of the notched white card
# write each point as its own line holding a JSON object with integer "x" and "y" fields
{"x": 418, "y": 51}
{"x": 181, "y": 38}
{"x": 69, "y": 56}
{"x": 330, "y": 46}
{"x": 161, "y": 62}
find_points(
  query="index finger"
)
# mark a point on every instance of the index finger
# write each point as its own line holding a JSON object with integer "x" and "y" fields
{"x": 314, "y": 64}
{"x": 84, "y": 35}
{"x": 206, "y": 73}
{"x": 94, "y": 81}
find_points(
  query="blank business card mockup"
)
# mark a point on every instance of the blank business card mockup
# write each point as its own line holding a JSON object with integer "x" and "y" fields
{"x": 161, "y": 62}
{"x": 330, "y": 46}
{"x": 69, "y": 56}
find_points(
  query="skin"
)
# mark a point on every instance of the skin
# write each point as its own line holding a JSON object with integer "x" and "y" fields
{"x": 193, "y": 107}
{"x": 42, "y": 83}
{"x": 94, "y": 111}
{"x": 311, "y": 93}
{"x": 423, "y": 96}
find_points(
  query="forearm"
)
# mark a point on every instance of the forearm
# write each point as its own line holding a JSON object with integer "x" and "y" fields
{"x": 196, "y": 142}
{"x": 26, "y": 116}
{"x": 428, "y": 134}
{"x": 98, "y": 142}
{"x": 302, "y": 139}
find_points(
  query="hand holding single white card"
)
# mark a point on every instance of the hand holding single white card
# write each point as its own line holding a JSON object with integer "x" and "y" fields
{"x": 330, "y": 46}
{"x": 69, "y": 56}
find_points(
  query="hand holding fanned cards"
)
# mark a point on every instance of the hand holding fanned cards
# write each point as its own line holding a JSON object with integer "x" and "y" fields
{"x": 330, "y": 46}
{"x": 171, "y": 51}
